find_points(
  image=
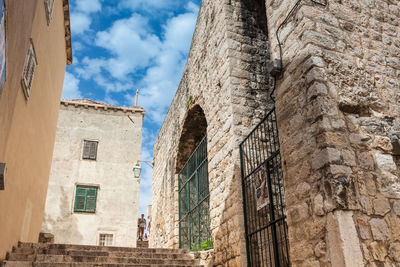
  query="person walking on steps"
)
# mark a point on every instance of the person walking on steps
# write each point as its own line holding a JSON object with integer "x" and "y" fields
{"x": 142, "y": 227}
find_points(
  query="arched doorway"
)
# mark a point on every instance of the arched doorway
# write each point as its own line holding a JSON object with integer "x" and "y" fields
{"x": 193, "y": 192}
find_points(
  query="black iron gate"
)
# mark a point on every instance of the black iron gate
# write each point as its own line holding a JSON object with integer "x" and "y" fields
{"x": 263, "y": 194}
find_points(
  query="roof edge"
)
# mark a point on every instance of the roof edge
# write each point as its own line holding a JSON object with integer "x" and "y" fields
{"x": 103, "y": 106}
{"x": 67, "y": 27}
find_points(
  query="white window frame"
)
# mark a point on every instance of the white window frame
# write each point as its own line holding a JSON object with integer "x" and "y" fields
{"x": 49, "y": 7}
{"x": 105, "y": 239}
{"x": 29, "y": 70}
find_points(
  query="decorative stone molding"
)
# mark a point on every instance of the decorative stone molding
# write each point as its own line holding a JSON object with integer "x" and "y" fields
{"x": 87, "y": 103}
{"x": 29, "y": 70}
{"x": 49, "y": 6}
{"x": 67, "y": 26}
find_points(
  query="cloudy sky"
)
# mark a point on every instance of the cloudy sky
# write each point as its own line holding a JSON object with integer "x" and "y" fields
{"x": 122, "y": 45}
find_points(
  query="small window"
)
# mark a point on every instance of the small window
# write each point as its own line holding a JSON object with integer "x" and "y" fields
{"x": 90, "y": 150}
{"x": 48, "y": 6}
{"x": 85, "y": 199}
{"x": 106, "y": 240}
{"x": 29, "y": 70}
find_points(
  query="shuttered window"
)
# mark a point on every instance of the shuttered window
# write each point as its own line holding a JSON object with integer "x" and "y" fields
{"x": 90, "y": 149}
{"x": 85, "y": 199}
{"x": 29, "y": 70}
{"x": 49, "y": 6}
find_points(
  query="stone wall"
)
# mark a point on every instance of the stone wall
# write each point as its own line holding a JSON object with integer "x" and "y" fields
{"x": 338, "y": 116}
{"x": 225, "y": 76}
{"x": 338, "y": 108}
{"x": 118, "y": 131}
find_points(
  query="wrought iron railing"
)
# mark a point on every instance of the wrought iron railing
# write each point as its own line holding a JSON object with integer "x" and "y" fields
{"x": 194, "y": 201}
{"x": 263, "y": 194}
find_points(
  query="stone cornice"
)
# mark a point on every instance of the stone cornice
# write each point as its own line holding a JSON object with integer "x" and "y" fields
{"x": 67, "y": 26}
{"x": 102, "y": 106}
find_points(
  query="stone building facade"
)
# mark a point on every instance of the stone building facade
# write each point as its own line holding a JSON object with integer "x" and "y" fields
{"x": 93, "y": 195}
{"x": 35, "y": 47}
{"x": 337, "y": 102}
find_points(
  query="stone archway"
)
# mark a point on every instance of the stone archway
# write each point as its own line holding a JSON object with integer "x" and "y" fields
{"x": 193, "y": 183}
{"x": 193, "y": 131}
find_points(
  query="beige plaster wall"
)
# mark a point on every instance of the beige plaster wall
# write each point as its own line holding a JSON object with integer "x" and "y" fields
{"x": 119, "y": 148}
{"x": 28, "y": 126}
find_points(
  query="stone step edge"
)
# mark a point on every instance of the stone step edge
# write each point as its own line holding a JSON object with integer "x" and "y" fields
{"x": 92, "y": 253}
{"x": 100, "y": 259}
{"x": 2, "y": 263}
{"x": 91, "y": 247}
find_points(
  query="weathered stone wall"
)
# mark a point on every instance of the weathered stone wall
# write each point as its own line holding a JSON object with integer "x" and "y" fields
{"x": 338, "y": 107}
{"x": 118, "y": 131}
{"x": 339, "y": 120}
{"x": 225, "y": 75}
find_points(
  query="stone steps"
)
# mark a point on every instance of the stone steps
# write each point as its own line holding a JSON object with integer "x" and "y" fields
{"x": 27, "y": 246}
{"x": 63, "y": 264}
{"x": 29, "y": 255}
{"x": 61, "y": 255}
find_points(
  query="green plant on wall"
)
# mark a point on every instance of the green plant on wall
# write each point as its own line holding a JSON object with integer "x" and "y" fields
{"x": 205, "y": 245}
{"x": 189, "y": 102}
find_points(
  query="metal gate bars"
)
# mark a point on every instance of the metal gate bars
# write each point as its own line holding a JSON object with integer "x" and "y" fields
{"x": 194, "y": 201}
{"x": 263, "y": 194}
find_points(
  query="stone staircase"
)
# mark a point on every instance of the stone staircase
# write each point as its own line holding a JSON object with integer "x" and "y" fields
{"x": 58, "y": 255}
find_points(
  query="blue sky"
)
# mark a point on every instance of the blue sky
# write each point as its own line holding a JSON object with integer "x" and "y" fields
{"x": 123, "y": 45}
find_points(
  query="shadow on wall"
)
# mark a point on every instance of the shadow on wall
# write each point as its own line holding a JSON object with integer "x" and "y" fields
{"x": 193, "y": 131}
{"x": 66, "y": 225}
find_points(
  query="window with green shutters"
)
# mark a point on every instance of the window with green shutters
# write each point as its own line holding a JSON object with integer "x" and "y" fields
{"x": 90, "y": 149}
{"x": 85, "y": 199}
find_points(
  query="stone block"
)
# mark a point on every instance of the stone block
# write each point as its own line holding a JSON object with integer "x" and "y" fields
{"x": 320, "y": 249}
{"x": 366, "y": 161}
{"x": 340, "y": 170}
{"x": 394, "y": 251}
{"x": 383, "y": 143}
{"x": 364, "y": 229}
{"x": 385, "y": 162}
{"x": 394, "y": 224}
{"x": 46, "y": 238}
{"x": 396, "y": 208}
{"x": 381, "y": 206}
{"x": 316, "y": 89}
{"x": 319, "y": 205}
{"x": 379, "y": 251}
{"x": 389, "y": 185}
{"x": 319, "y": 39}
{"x": 380, "y": 229}
{"x": 325, "y": 156}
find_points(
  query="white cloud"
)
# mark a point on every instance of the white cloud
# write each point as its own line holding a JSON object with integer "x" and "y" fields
{"x": 149, "y": 5}
{"x": 71, "y": 87}
{"x": 88, "y": 6}
{"x": 90, "y": 67}
{"x": 81, "y": 15}
{"x": 134, "y": 47}
{"x": 80, "y": 23}
{"x": 162, "y": 79}
{"x": 131, "y": 43}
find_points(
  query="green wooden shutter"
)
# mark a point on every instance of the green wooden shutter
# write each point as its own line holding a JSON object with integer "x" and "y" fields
{"x": 91, "y": 199}
{"x": 86, "y": 150}
{"x": 80, "y": 199}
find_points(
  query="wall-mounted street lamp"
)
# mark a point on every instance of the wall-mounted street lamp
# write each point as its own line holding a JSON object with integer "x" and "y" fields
{"x": 137, "y": 169}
